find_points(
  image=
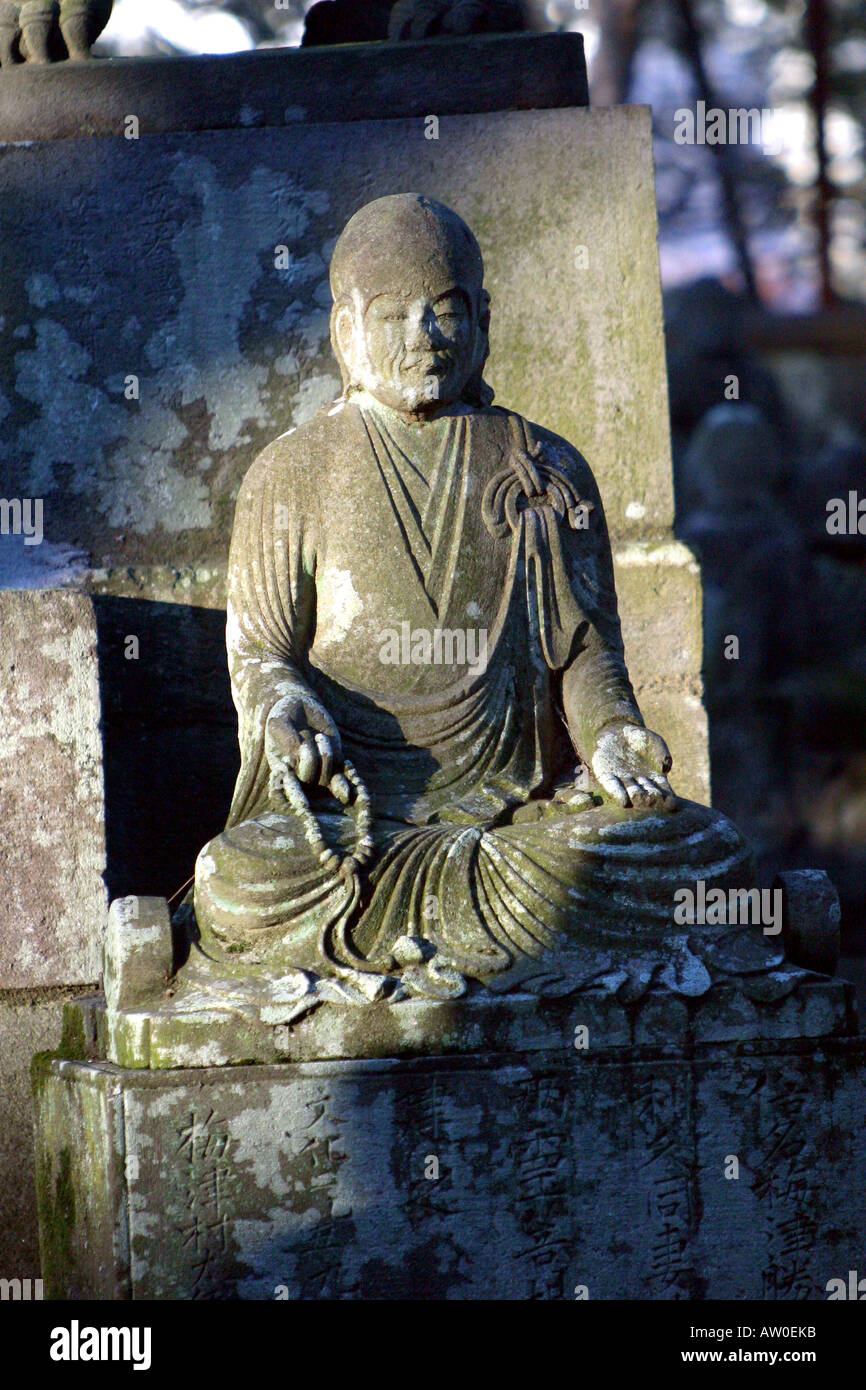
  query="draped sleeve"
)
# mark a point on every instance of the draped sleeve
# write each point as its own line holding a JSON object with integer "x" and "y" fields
{"x": 597, "y": 681}
{"x": 270, "y": 609}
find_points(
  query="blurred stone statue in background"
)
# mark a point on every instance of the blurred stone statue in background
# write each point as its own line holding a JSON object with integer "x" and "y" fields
{"x": 345, "y": 21}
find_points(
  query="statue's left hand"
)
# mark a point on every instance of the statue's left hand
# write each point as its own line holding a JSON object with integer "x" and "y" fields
{"x": 300, "y": 735}
{"x": 630, "y": 764}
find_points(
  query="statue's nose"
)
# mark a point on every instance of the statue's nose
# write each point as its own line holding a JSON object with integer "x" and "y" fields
{"x": 421, "y": 331}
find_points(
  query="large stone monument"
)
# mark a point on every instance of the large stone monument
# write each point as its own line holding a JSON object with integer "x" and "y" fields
{"x": 466, "y": 1000}
{"x": 416, "y": 861}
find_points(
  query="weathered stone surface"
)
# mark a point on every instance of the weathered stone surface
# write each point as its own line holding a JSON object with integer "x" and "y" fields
{"x": 546, "y": 1175}
{"x": 714, "y": 985}
{"x": 29, "y": 1022}
{"x": 577, "y": 348}
{"x": 52, "y": 851}
{"x": 81, "y": 23}
{"x": 83, "y": 1232}
{"x": 138, "y": 954}
{"x": 188, "y": 1027}
{"x": 789, "y": 1222}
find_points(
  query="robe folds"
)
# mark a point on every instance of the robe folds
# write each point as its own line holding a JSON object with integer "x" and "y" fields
{"x": 427, "y": 586}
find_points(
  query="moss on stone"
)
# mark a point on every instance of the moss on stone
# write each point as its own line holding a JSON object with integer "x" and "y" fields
{"x": 40, "y": 1067}
{"x": 73, "y": 1040}
{"x": 55, "y": 1193}
{"x": 73, "y": 1047}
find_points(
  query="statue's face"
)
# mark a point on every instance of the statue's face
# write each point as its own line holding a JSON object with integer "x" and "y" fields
{"x": 413, "y": 351}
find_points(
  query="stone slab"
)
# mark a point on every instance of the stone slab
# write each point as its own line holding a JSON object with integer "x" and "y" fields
{"x": 285, "y": 86}
{"x": 536, "y": 1176}
{"x": 53, "y": 898}
{"x": 190, "y": 1028}
{"x": 230, "y": 351}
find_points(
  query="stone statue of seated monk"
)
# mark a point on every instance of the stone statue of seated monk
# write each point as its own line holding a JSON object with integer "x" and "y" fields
{"x": 443, "y": 760}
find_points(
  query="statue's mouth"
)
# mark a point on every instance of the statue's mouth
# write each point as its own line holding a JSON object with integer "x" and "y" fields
{"x": 432, "y": 363}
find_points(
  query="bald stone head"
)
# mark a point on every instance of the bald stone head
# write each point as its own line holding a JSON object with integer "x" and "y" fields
{"x": 410, "y": 316}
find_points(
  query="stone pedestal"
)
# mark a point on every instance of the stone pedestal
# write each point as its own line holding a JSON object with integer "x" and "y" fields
{"x": 541, "y": 1153}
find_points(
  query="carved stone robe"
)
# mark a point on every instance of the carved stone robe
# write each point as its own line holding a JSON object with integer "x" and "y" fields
{"x": 358, "y": 538}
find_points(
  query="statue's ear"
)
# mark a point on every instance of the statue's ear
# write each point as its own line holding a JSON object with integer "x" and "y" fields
{"x": 484, "y": 311}
{"x": 477, "y": 392}
{"x": 482, "y": 345}
{"x": 343, "y": 336}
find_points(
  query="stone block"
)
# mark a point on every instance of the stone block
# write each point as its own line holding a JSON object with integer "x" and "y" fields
{"x": 138, "y": 954}
{"x": 83, "y": 1230}
{"x": 52, "y": 851}
{"x": 548, "y": 1175}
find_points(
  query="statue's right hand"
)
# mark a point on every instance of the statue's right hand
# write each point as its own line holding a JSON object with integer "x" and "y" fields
{"x": 302, "y": 736}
